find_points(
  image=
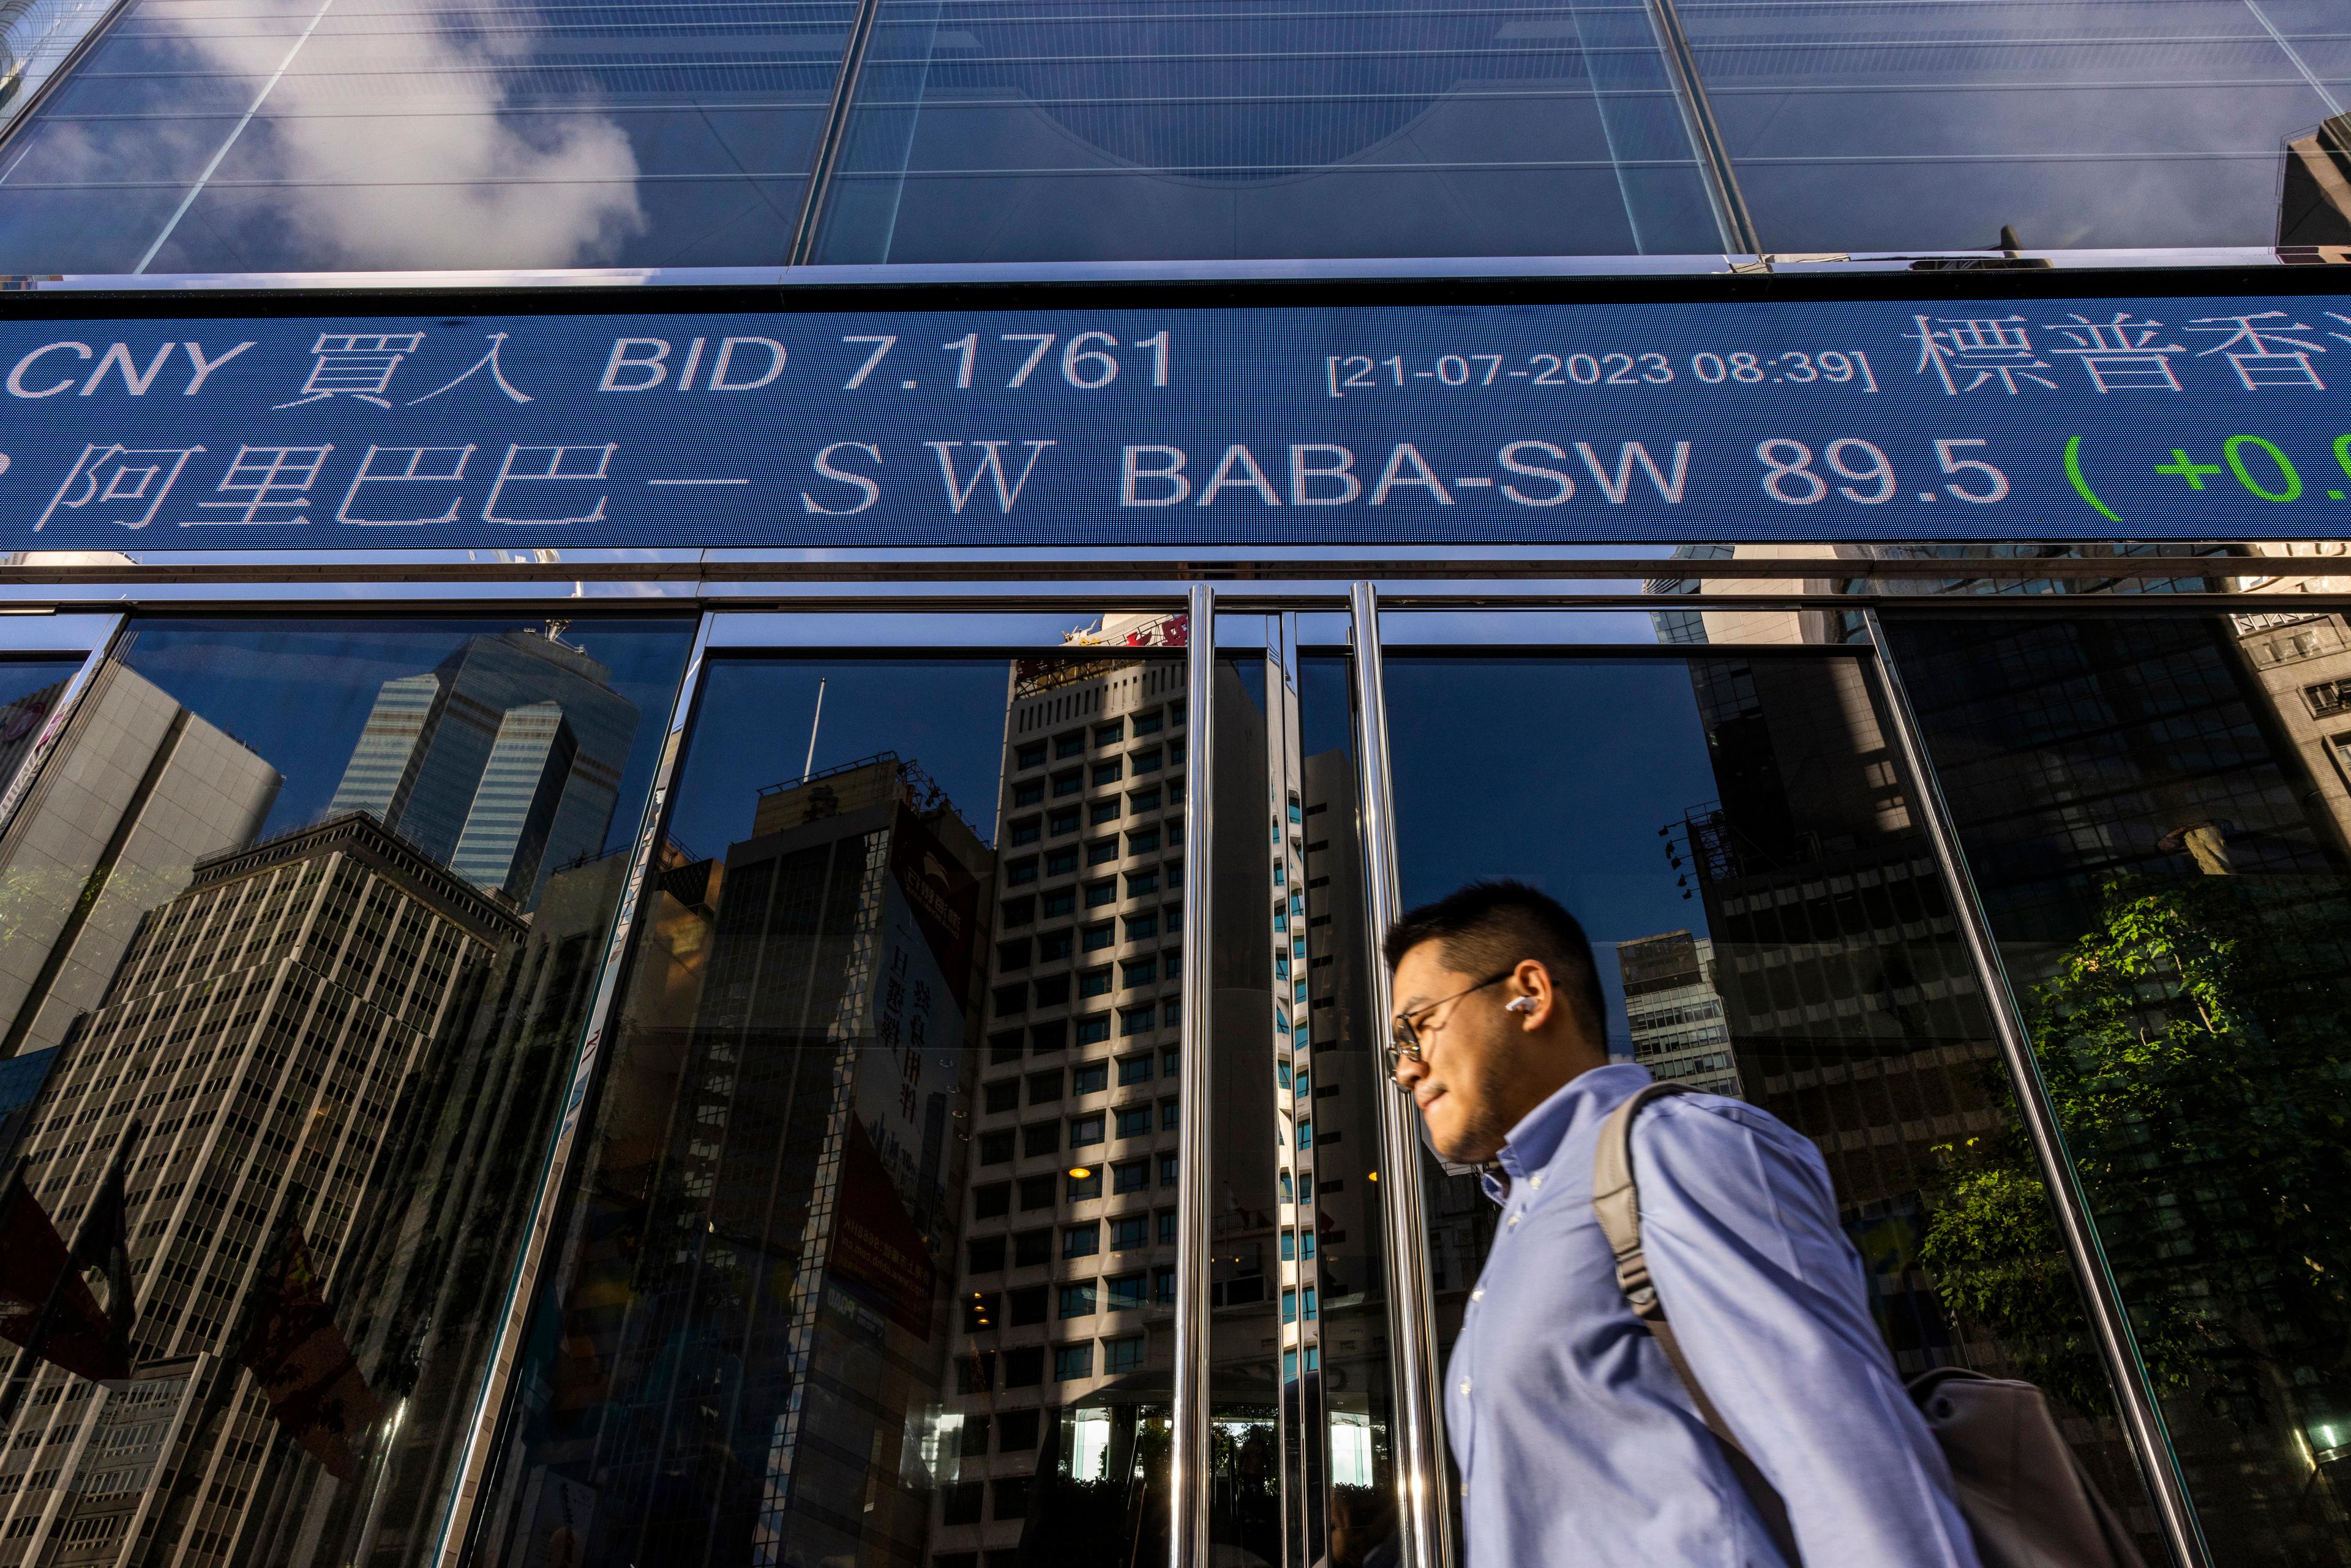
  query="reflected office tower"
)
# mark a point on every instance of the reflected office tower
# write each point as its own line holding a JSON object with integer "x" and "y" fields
{"x": 1056, "y": 1425}
{"x": 269, "y": 1025}
{"x": 1674, "y": 1014}
{"x": 2301, "y": 660}
{"x": 1852, "y": 1007}
{"x": 504, "y": 763}
{"x": 150, "y": 788}
{"x": 2132, "y": 791}
{"x": 422, "y": 1270}
{"x": 751, "y": 1375}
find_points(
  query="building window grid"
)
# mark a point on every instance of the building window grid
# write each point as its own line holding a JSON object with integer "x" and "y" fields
{"x": 1137, "y": 967}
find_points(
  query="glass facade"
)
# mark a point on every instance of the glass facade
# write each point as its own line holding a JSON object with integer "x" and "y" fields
{"x": 340, "y": 135}
{"x": 300, "y": 1043}
{"x": 2155, "y": 812}
{"x": 575, "y": 1100}
{"x": 641, "y": 1058}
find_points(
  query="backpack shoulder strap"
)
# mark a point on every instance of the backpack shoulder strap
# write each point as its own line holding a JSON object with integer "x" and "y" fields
{"x": 1616, "y": 1204}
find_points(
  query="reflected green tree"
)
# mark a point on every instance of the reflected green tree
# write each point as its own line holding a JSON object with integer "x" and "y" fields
{"x": 2194, "y": 1046}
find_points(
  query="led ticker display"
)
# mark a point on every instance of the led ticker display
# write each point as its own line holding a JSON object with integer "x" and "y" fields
{"x": 1601, "y": 423}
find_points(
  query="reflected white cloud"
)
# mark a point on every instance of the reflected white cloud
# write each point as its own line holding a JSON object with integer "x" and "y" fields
{"x": 450, "y": 176}
{"x": 381, "y": 139}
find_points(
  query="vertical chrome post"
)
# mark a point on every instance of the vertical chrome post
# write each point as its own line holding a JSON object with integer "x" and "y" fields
{"x": 474, "y": 1469}
{"x": 1732, "y": 218}
{"x": 1422, "y": 1506}
{"x": 53, "y": 728}
{"x": 834, "y": 137}
{"x": 2142, "y": 1418}
{"x": 1188, "y": 1523}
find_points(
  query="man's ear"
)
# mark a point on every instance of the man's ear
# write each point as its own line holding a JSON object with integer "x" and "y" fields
{"x": 1537, "y": 997}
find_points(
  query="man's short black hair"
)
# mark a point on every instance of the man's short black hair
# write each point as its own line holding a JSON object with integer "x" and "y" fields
{"x": 1491, "y": 925}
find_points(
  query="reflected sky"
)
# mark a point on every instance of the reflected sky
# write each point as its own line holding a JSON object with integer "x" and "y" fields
{"x": 1029, "y": 130}
{"x": 1558, "y": 773}
{"x": 297, "y": 694}
{"x": 231, "y": 135}
{"x": 753, "y": 727}
{"x": 1897, "y": 124}
{"x": 258, "y": 135}
{"x": 21, "y": 678}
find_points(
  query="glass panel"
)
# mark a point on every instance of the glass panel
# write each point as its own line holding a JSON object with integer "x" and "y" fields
{"x": 984, "y": 130}
{"x": 1887, "y": 125}
{"x": 29, "y": 690}
{"x": 1767, "y": 922}
{"x": 1299, "y": 1385}
{"x": 2155, "y": 811}
{"x": 300, "y": 921}
{"x": 292, "y": 135}
{"x": 872, "y": 1251}
{"x": 1735, "y": 624}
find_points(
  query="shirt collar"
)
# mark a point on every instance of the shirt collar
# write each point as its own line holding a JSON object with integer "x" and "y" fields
{"x": 1537, "y": 1138}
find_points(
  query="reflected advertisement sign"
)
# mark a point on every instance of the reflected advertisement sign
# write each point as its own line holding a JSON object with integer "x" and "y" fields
{"x": 1272, "y": 424}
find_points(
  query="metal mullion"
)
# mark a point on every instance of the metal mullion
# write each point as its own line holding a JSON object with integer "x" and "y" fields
{"x": 1422, "y": 1503}
{"x": 1733, "y": 221}
{"x": 2109, "y": 1320}
{"x": 52, "y": 733}
{"x": 834, "y": 137}
{"x": 1188, "y": 1534}
{"x": 462, "y": 1513}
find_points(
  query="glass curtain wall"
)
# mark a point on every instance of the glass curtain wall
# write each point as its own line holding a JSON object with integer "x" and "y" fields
{"x": 1889, "y": 125}
{"x": 300, "y": 920}
{"x": 869, "y": 1246}
{"x": 336, "y": 135}
{"x": 1768, "y": 921}
{"x": 991, "y": 130}
{"x": 284, "y": 135}
{"x": 2154, "y": 810}
{"x": 872, "y": 1251}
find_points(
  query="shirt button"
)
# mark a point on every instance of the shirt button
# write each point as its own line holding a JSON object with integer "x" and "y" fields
{"x": 1464, "y": 1388}
{"x": 1514, "y": 1220}
{"x": 1537, "y": 1182}
{"x": 1479, "y": 1294}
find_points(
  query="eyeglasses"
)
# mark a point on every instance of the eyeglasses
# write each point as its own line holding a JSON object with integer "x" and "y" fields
{"x": 1406, "y": 1042}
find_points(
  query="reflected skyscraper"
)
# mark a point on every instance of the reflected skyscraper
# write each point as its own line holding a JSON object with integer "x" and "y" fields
{"x": 1673, "y": 1012}
{"x": 752, "y": 1373}
{"x": 504, "y": 763}
{"x": 270, "y": 1026}
{"x": 1061, "y": 1380}
{"x": 95, "y": 846}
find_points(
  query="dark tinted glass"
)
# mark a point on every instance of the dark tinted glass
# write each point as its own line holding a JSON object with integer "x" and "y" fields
{"x": 2154, "y": 810}
{"x": 781, "y": 1317}
{"x": 1768, "y": 922}
{"x": 302, "y": 919}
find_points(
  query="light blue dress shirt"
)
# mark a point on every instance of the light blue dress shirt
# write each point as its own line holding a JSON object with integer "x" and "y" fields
{"x": 1576, "y": 1443}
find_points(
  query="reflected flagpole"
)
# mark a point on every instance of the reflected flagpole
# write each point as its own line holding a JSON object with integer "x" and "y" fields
{"x": 809, "y": 767}
{"x": 108, "y": 1209}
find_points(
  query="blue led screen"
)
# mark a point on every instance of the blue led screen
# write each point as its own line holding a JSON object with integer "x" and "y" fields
{"x": 1602, "y": 423}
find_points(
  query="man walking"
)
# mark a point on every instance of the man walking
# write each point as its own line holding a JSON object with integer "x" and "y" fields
{"x": 1576, "y": 1441}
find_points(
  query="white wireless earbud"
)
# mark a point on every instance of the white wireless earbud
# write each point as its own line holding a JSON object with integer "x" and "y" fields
{"x": 1522, "y": 1005}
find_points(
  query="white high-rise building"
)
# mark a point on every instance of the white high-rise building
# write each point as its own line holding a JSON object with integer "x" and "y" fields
{"x": 1674, "y": 1013}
